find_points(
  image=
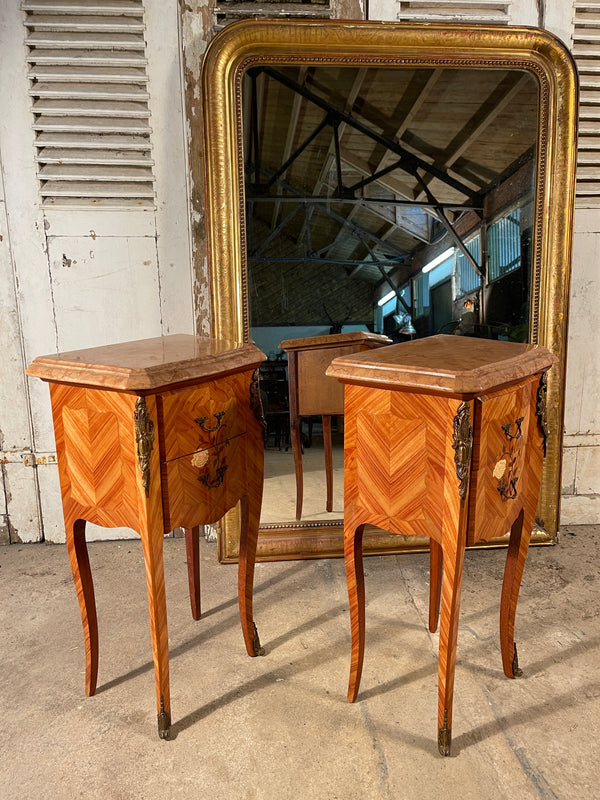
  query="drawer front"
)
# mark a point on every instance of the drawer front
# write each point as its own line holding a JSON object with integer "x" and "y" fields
{"x": 194, "y": 419}
{"x": 507, "y": 459}
{"x": 200, "y": 488}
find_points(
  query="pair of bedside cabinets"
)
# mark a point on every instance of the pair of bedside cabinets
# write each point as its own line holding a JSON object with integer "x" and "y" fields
{"x": 444, "y": 437}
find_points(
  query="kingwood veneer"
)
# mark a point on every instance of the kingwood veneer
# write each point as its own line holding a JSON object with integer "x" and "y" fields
{"x": 311, "y": 393}
{"x": 153, "y": 435}
{"x": 444, "y": 437}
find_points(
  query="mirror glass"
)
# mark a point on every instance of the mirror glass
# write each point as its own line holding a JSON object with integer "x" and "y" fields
{"x": 397, "y": 200}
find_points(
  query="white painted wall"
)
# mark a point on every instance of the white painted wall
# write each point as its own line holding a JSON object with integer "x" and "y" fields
{"x": 78, "y": 278}
{"x": 581, "y": 465}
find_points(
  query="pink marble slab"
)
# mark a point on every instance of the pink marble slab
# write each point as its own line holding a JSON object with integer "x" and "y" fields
{"x": 449, "y": 364}
{"x": 148, "y": 363}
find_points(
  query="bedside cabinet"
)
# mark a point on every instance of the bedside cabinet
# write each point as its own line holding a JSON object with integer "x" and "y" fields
{"x": 444, "y": 437}
{"x": 153, "y": 435}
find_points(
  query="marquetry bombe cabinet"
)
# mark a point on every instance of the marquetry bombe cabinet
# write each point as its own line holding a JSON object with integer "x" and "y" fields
{"x": 444, "y": 438}
{"x": 154, "y": 435}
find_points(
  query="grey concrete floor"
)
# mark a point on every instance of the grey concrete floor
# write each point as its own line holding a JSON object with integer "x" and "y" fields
{"x": 280, "y": 727}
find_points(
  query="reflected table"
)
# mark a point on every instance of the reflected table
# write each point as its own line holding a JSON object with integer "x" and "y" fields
{"x": 311, "y": 393}
{"x": 153, "y": 435}
{"x": 444, "y": 438}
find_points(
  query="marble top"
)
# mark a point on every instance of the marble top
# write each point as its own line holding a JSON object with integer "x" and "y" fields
{"x": 336, "y": 340}
{"x": 148, "y": 363}
{"x": 448, "y": 364}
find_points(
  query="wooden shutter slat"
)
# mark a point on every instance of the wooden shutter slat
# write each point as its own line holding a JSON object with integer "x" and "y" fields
{"x": 128, "y": 7}
{"x": 74, "y": 155}
{"x": 95, "y": 125}
{"x": 106, "y": 173}
{"x": 93, "y": 189}
{"x": 68, "y": 139}
{"x": 90, "y": 108}
{"x": 89, "y": 91}
{"x": 90, "y": 73}
{"x": 91, "y": 118}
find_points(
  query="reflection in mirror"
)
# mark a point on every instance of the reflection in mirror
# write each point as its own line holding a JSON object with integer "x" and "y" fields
{"x": 389, "y": 200}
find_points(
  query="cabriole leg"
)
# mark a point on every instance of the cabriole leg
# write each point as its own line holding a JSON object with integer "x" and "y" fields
{"x": 356, "y": 595}
{"x": 328, "y": 460}
{"x": 192, "y": 550}
{"x": 297, "y": 452}
{"x": 250, "y": 517}
{"x": 82, "y": 576}
{"x": 435, "y": 583}
{"x": 520, "y": 534}
{"x": 453, "y": 556}
{"x": 152, "y": 542}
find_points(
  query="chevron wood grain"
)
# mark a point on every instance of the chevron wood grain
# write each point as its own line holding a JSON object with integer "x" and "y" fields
{"x": 95, "y": 442}
{"x": 156, "y": 459}
{"x": 457, "y": 468}
{"x": 393, "y": 445}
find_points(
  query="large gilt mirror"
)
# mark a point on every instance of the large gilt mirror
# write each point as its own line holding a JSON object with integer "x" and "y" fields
{"x": 384, "y": 178}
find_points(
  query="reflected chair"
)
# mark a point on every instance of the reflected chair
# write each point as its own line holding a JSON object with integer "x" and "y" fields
{"x": 312, "y": 393}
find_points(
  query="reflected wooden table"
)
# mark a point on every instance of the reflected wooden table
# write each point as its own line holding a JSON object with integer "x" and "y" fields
{"x": 153, "y": 435}
{"x": 445, "y": 438}
{"x": 311, "y": 393}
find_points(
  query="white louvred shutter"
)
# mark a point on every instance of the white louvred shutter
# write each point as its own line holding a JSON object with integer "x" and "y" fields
{"x": 88, "y": 84}
{"x": 586, "y": 49}
{"x": 492, "y": 11}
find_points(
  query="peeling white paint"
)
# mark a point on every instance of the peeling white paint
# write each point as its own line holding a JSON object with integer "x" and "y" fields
{"x": 194, "y": 36}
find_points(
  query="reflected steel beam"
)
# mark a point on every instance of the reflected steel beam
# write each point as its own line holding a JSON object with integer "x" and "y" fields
{"x": 361, "y": 201}
{"x": 410, "y": 162}
{"x": 322, "y": 206}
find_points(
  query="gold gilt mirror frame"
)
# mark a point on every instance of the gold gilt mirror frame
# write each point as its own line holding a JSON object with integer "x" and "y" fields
{"x": 251, "y": 43}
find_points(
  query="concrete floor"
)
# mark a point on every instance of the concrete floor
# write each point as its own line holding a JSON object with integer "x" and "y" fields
{"x": 280, "y": 727}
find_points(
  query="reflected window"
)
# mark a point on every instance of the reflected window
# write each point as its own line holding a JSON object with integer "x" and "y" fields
{"x": 466, "y": 280}
{"x": 504, "y": 245}
{"x": 421, "y": 293}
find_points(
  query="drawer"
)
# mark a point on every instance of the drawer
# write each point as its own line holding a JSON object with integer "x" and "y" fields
{"x": 507, "y": 439}
{"x": 197, "y": 418}
{"x": 201, "y": 487}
